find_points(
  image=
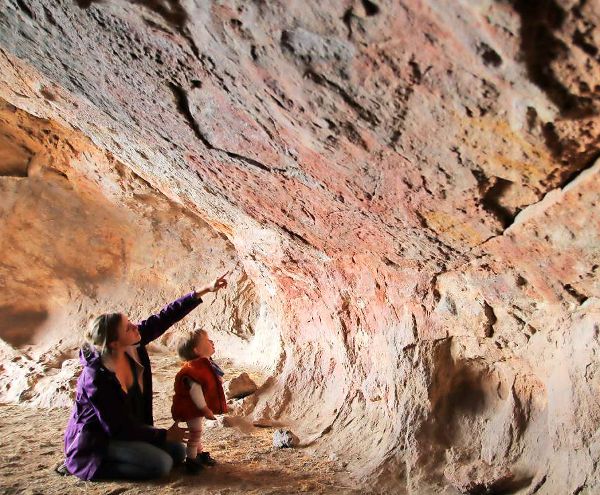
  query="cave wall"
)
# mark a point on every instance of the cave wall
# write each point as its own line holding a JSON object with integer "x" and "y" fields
{"x": 81, "y": 235}
{"x": 410, "y": 186}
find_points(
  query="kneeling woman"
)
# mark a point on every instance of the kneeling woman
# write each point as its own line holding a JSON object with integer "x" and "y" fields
{"x": 110, "y": 432}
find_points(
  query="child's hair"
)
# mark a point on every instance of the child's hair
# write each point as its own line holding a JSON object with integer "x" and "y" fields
{"x": 103, "y": 330}
{"x": 185, "y": 349}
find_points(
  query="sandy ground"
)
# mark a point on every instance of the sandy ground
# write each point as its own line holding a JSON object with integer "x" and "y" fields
{"x": 31, "y": 446}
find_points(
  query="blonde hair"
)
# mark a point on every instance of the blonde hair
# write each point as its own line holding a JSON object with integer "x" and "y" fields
{"x": 186, "y": 345}
{"x": 103, "y": 330}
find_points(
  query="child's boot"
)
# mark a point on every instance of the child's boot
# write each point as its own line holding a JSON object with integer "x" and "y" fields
{"x": 205, "y": 459}
{"x": 193, "y": 466}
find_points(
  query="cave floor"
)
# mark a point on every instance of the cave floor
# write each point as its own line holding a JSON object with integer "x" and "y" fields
{"x": 31, "y": 446}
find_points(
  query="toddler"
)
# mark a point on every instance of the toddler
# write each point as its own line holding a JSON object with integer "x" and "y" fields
{"x": 198, "y": 394}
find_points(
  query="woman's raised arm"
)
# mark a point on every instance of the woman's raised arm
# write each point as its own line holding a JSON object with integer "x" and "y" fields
{"x": 154, "y": 326}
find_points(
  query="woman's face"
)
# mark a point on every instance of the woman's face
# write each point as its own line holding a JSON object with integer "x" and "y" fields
{"x": 204, "y": 346}
{"x": 127, "y": 334}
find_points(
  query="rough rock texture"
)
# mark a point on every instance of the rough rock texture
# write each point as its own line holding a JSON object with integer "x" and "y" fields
{"x": 81, "y": 235}
{"x": 478, "y": 478}
{"x": 410, "y": 187}
{"x": 239, "y": 387}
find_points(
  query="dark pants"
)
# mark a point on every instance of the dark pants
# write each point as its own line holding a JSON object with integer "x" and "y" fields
{"x": 139, "y": 460}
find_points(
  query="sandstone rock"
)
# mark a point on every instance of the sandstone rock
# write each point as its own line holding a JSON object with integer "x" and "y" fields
{"x": 410, "y": 189}
{"x": 239, "y": 387}
{"x": 478, "y": 478}
{"x": 142, "y": 250}
{"x": 240, "y": 423}
{"x": 312, "y": 47}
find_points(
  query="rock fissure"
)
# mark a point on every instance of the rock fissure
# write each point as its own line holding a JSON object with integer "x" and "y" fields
{"x": 184, "y": 107}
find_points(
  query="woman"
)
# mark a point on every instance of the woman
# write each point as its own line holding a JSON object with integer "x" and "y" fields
{"x": 110, "y": 432}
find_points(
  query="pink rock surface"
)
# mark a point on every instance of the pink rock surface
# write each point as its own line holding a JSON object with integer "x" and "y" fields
{"x": 410, "y": 189}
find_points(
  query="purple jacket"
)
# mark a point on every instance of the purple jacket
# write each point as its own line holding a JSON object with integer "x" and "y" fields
{"x": 100, "y": 412}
